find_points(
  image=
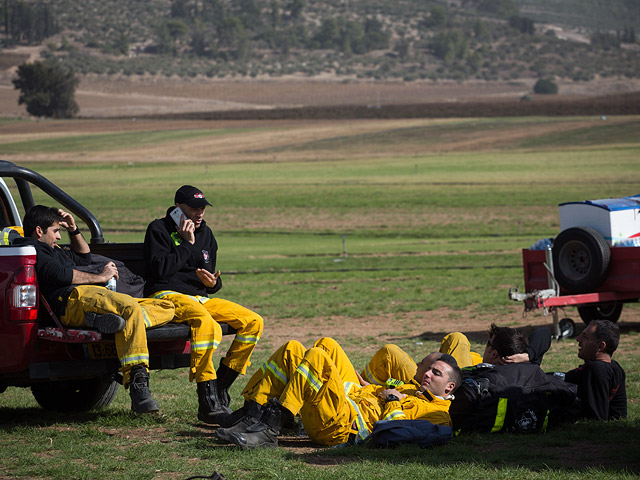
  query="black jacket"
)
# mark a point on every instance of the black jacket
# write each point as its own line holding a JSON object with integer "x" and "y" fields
{"x": 54, "y": 268}
{"x": 171, "y": 263}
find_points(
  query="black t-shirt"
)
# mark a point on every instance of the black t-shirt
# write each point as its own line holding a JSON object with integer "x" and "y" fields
{"x": 54, "y": 267}
{"x": 601, "y": 389}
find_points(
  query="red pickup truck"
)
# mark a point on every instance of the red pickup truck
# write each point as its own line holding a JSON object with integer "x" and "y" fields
{"x": 66, "y": 368}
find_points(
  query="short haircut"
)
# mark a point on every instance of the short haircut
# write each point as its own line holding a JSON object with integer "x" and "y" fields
{"x": 39, "y": 216}
{"x": 507, "y": 341}
{"x": 607, "y": 332}
{"x": 456, "y": 375}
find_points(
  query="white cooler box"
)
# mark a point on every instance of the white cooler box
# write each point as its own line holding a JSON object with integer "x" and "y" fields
{"x": 616, "y": 219}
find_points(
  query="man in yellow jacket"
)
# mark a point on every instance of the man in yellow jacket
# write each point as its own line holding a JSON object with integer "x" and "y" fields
{"x": 323, "y": 387}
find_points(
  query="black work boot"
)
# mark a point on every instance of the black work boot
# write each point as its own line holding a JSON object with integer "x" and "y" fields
{"x": 104, "y": 322}
{"x": 263, "y": 433}
{"x": 209, "y": 405}
{"x": 226, "y": 376}
{"x": 141, "y": 399}
{"x": 249, "y": 414}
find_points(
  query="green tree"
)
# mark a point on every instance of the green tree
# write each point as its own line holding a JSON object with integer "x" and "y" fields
{"x": 329, "y": 34}
{"x": 402, "y": 48}
{"x": 275, "y": 14}
{"x": 233, "y": 36}
{"x": 169, "y": 34}
{"x": 250, "y": 15}
{"x": 121, "y": 43}
{"x": 296, "y": 7}
{"x": 47, "y": 89}
{"x": 200, "y": 38}
{"x": 545, "y": 86}
{"x": 437, "y": 17}
{"x": 352, "y": 38}
{"x": 450, "y": 45}
{"x": 504, "y": 8}
{"x": 179, "y": 9}
{"x": 375, "y": 38}
{"x": 29, "y": 23}
{"x": 523, "y": 24}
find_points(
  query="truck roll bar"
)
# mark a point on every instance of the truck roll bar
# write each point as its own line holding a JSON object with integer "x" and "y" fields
{"x": 24, "y": 177}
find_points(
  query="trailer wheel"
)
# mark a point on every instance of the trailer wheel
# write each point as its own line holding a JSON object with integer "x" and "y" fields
{"x": 567, "y": 328}
{"x": 600, "y": 311}
{"x": 581, "y": 259}
{"x": 75, "y": 395}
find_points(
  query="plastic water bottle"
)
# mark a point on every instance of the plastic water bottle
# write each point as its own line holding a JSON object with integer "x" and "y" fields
{"x": 111, "y": 284}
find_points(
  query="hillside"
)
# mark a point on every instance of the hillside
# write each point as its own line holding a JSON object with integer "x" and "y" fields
{"x": 409, "y": 40}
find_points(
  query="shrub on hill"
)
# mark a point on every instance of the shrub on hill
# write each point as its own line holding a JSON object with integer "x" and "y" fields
{"x": 545, "y": 86}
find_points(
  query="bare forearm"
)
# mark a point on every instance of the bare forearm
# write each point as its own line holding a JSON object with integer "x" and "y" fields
{"x": 85, "y": 278}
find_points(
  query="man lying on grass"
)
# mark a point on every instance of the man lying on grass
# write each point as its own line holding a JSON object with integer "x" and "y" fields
{"x": 322, "y": 386}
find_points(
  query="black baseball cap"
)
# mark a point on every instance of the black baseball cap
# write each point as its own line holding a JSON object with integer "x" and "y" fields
{"x": 191, "y": 196}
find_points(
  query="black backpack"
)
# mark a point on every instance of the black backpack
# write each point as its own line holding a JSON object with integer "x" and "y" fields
{"x": 516, "y": 397}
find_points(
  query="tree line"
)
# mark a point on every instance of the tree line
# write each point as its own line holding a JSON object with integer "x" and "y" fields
{"x": 27, "y": 23}
{"x": 227, "y": 30}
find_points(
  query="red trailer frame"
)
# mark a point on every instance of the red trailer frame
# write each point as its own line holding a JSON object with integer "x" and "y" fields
{"x": 622, "y": 284}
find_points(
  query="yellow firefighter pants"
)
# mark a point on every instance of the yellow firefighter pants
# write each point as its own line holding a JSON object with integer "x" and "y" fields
{"x": 203, "y": 316}
{"x": 316, "y": 391}
{"x": 390, "y": 361}
{"x": 269, "y": 381}
{"x": 272, "y": 377}
{"x": 156, "y": 312}
{"x": 457, "y": 345}
{"x": 312, "y": 383}
{"x": 345, "y": 368}
{"x": 131, "y": 343}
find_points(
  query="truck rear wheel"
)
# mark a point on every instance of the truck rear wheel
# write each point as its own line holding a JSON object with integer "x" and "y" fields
{"x": 581, "y": 259}
{"x": 600, "y": 311}
{"x": 75, "y": 395}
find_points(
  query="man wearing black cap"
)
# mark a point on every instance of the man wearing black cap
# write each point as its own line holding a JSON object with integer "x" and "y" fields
{"x": 180, "y": 258}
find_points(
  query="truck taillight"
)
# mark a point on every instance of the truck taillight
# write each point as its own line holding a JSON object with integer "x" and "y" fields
{"x": 23, "y": 295}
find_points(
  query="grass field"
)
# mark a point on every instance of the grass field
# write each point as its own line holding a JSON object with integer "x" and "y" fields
{"x": 368, "y": 231}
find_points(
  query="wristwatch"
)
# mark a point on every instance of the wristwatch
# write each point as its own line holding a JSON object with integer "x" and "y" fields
{"x": 391, "y": 398}
{"x": 75, "y": 232}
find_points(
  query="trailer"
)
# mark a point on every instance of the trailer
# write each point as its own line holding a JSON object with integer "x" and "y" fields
{"x": 595, "y": 267}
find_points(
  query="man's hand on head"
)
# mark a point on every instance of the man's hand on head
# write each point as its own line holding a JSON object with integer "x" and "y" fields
{"x": 67, "y": 222}
{"x": 516, "y": 358}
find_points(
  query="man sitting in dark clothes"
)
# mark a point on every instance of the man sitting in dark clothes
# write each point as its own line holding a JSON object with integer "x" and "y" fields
{"x": 600, "y": 380}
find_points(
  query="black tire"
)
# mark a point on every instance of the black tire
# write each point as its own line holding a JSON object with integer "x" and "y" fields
{"x": 601, "y": 311}
{"x": 75, "y": 395}
{"x": 567, "y": 328}
{"x": 581, "y": 259}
